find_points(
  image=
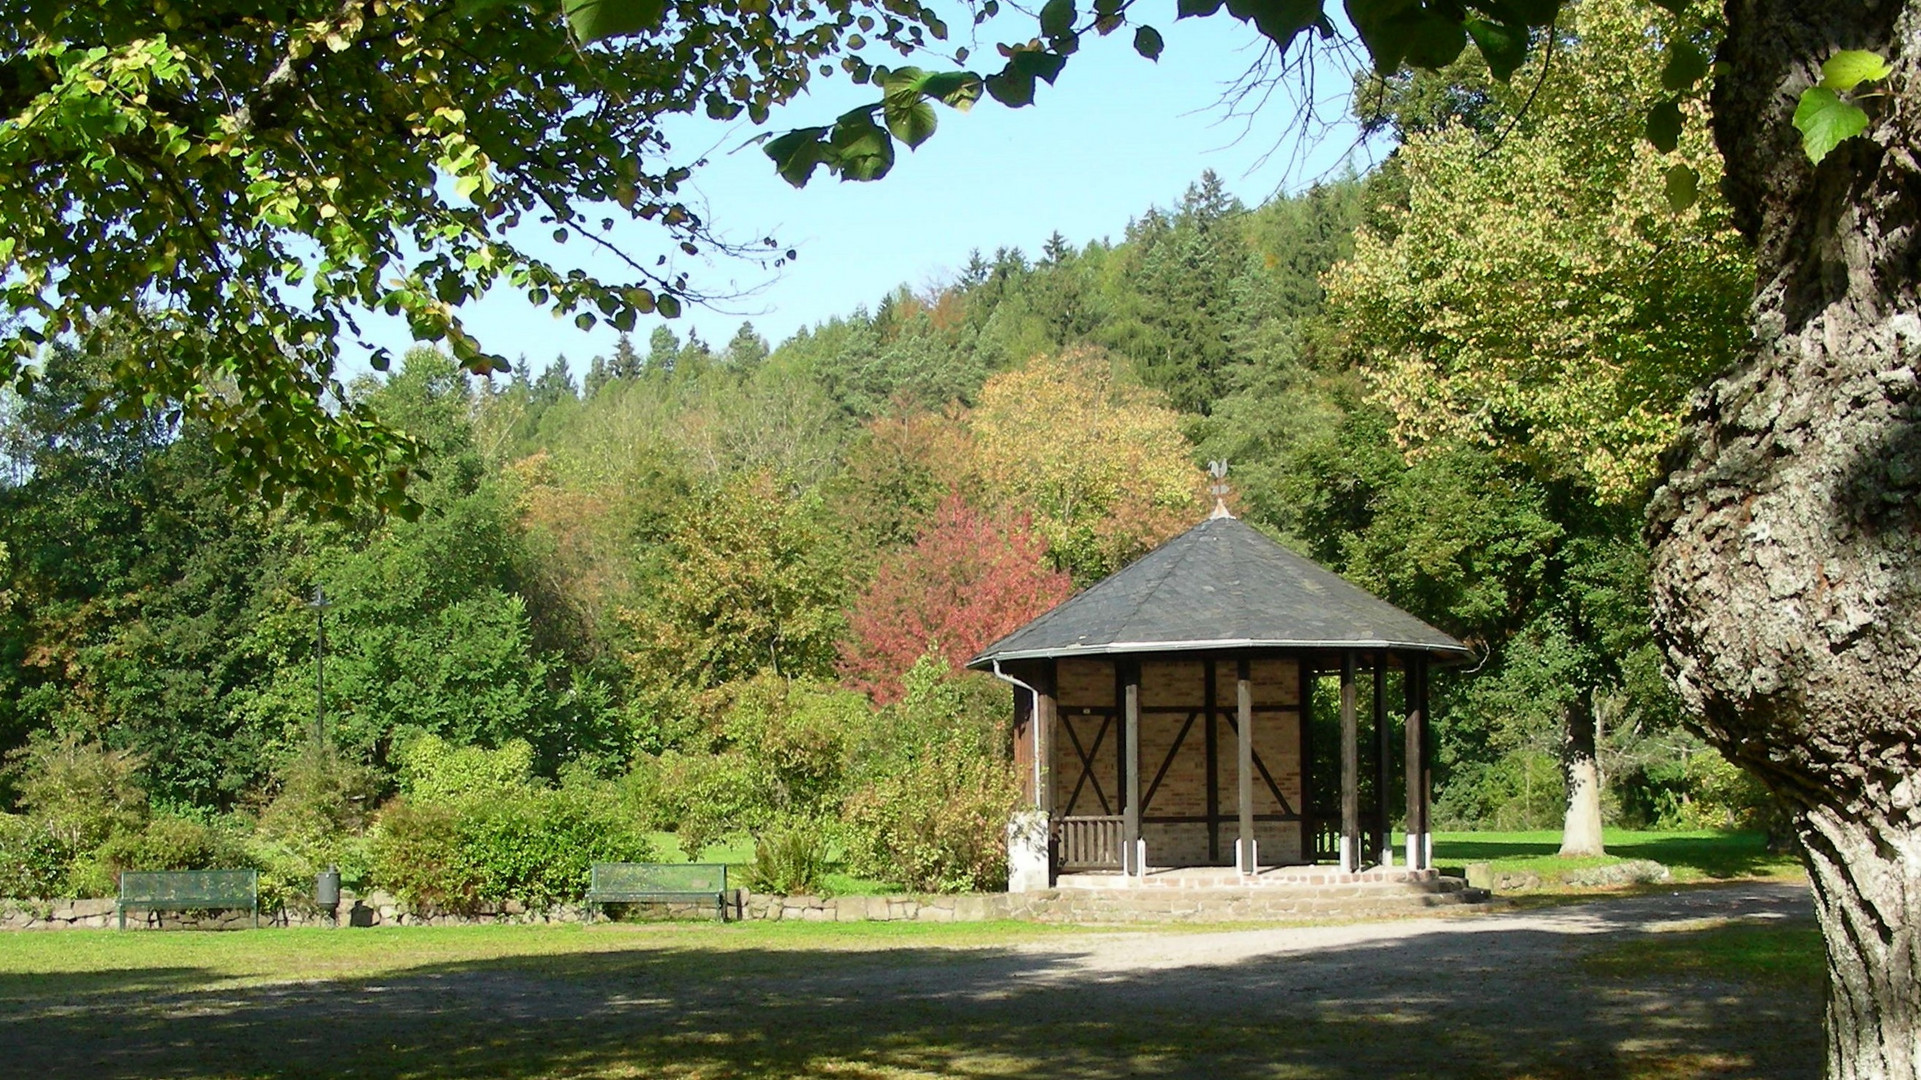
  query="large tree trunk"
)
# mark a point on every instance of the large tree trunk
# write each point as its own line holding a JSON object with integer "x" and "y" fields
{"x": 1787, "y": 564}
{"x": 1581, "y": 768}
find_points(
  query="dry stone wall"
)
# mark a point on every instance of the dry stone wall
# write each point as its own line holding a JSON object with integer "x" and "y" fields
{"x": 1335, "y": 899}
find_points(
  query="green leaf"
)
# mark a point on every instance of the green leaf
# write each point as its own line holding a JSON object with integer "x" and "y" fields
{"x": 858, "y": 149}
{"x": 596, "y": 20}
{"x": 1045, "y": 66}
{"x": 1057, "y": 18}
{"x": 1664, "y": 126}
{"x": 1011, "y": 88}
{"x": 1824, "y": 120}
{"x": 1189, "y": 9}
{"x": 1686, "y": 66}
{"x": 796, "y": 154}
{"x": 1279, "y": 21}
{"x": 1683, "y": 187}
{"x": 1147, "y": 42}
{"x": 957, "y": 89}
{"x": 1405, "y": 31}
{"x": 911, "y": 119}
{"x": 1850, "y": 68}
{"x": 1503, "y": 47}
{"x": 668, "y": 306}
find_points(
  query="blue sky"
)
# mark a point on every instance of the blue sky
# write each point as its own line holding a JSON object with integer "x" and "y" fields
{"x": 1116, "y": 135}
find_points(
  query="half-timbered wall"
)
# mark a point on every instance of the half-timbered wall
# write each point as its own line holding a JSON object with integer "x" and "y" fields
{"x": 1182, "y": 825}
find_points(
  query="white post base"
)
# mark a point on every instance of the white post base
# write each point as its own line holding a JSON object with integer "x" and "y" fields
{"x": 1028, "y": 866}
{"x": 1347, "y": 854}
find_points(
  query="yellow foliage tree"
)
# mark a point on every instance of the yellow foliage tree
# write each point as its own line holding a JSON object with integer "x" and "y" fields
{"x": 1097, "y": 462}
{"x": 1539, "y": 294}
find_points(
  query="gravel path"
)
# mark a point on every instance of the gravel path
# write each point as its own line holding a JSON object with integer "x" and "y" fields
{"x": 1503, "y": 995}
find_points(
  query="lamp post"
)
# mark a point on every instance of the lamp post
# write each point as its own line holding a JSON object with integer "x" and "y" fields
{"x": 320, "y": 604}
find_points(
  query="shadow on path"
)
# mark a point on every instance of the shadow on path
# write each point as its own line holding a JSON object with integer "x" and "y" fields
{"x": 1502, "y": 996}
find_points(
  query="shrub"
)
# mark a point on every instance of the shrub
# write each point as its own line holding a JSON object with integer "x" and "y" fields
{"x": 533, "y": 845}
{"x": 932, "y": 811}
{"x": 33, "y": 861}
{"x": 789, "y": 859}
{"x": 321, "y": 797}
{"x": 415, "y": 851}
{"x": 81, "y": 791}
{"x": 174, "y": 843}
{"x": 434, "y": 770}
{"x": 703, "y": 797}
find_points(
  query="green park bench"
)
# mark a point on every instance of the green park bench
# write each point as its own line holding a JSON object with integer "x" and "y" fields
{"x": 644, "y": 883}
{"x": 188, "y": 890}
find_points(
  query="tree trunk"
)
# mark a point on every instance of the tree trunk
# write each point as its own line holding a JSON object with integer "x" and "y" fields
{"x": 1787, "y": 571}
{"x": 1581, "y": 768}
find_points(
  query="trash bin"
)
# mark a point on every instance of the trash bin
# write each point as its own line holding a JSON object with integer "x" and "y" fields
{"x": 326, "y": 888}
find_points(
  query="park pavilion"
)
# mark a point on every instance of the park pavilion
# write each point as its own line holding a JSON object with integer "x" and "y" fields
{"x": 1204, "y": 708}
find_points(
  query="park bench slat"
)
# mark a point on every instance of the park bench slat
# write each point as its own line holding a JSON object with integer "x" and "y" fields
{"x": 633, "y": 883}
{"x": 187, "y": 890}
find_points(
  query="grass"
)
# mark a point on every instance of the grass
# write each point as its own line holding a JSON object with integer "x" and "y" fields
{"x": 861, "y": 1001}
{"x": 1736, "y": 952}
{"x": 737, "y": 851}
{"x": 1693, "y": 857}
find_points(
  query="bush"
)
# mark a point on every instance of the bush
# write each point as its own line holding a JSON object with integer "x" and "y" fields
{"x": 33, "y": 861}
{"x": 174, "y": 843}
{"x": 703, "y": 797}
{"x": 789, "y": 859}
{"x": 80, "y": 791}
{"x": 435, "y": 770}
{"x": 932, "y": 811}
{"x": 321, "y": 798}
{"x": 533, "y": 845}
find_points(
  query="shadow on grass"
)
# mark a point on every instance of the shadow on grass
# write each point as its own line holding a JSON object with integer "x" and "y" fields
{"x": 1472, "y": 998}
{"x": 1721, "y": 857}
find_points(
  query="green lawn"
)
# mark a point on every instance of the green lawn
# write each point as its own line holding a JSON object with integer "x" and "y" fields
{"x": 1693, "y": 857}
{"x": 891, "y": 1002}
{"x": 1738, "y": 952}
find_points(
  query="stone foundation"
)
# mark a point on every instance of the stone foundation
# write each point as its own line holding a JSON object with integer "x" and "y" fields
{"x": 1331, "y": 895}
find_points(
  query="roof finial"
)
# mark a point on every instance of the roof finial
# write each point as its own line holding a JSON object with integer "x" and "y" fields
{"x": 1219, "y": 489}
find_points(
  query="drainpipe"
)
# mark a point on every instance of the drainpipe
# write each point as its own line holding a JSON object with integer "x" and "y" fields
{"x": 1035, "y": 697}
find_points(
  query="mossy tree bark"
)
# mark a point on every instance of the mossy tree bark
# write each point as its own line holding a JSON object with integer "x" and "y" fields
{"x": 1787, "y": 572}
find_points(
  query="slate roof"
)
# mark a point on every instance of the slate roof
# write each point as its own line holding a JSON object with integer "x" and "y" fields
{"x": 1220, "y": 585}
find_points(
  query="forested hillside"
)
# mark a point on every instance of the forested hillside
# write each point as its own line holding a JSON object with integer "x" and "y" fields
{"x": 706, "y": 588}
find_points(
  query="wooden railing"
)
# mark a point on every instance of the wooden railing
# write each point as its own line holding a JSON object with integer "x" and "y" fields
{"x": 1089, "y": 843}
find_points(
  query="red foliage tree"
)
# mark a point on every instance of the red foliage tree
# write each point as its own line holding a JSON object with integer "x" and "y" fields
{"x": 967, "y": 580}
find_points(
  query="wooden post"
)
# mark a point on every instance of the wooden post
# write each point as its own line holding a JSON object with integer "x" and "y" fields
{"x": 1310, "y": 827}
{"x": 1416, "y": 763}
{"x": 1046, "y": 710}
{"x": 1131, "y": 855}
{"x": 1213, "y": 747}
{"x": 1350, "y": 770}
{"x": 1383, "y": 839}
{"x": 1427, "y": 766}
{"x": 1246, "y": 853}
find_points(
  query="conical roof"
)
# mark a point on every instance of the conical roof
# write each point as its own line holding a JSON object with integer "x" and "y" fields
{"x": 1220, "y": 585}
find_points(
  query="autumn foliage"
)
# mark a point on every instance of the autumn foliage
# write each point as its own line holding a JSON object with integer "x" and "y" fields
{"x": 968, "y": 580}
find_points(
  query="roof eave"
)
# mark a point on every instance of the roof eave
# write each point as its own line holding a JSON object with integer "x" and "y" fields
{"x": 1456, "y": 652}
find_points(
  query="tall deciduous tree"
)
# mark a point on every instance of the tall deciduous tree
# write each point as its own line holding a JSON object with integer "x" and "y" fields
{"x": 1099, "y": 462}
{"x": 968, "y": 580}
{"x": 271, "y": 175}
{"x": 1540, "y": 296}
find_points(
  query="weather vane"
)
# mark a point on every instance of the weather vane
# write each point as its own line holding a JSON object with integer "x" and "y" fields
{"x": 1219, "y": 488}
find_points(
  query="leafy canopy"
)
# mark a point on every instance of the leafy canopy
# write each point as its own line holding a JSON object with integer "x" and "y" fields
{"x": 250, "y": 183}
